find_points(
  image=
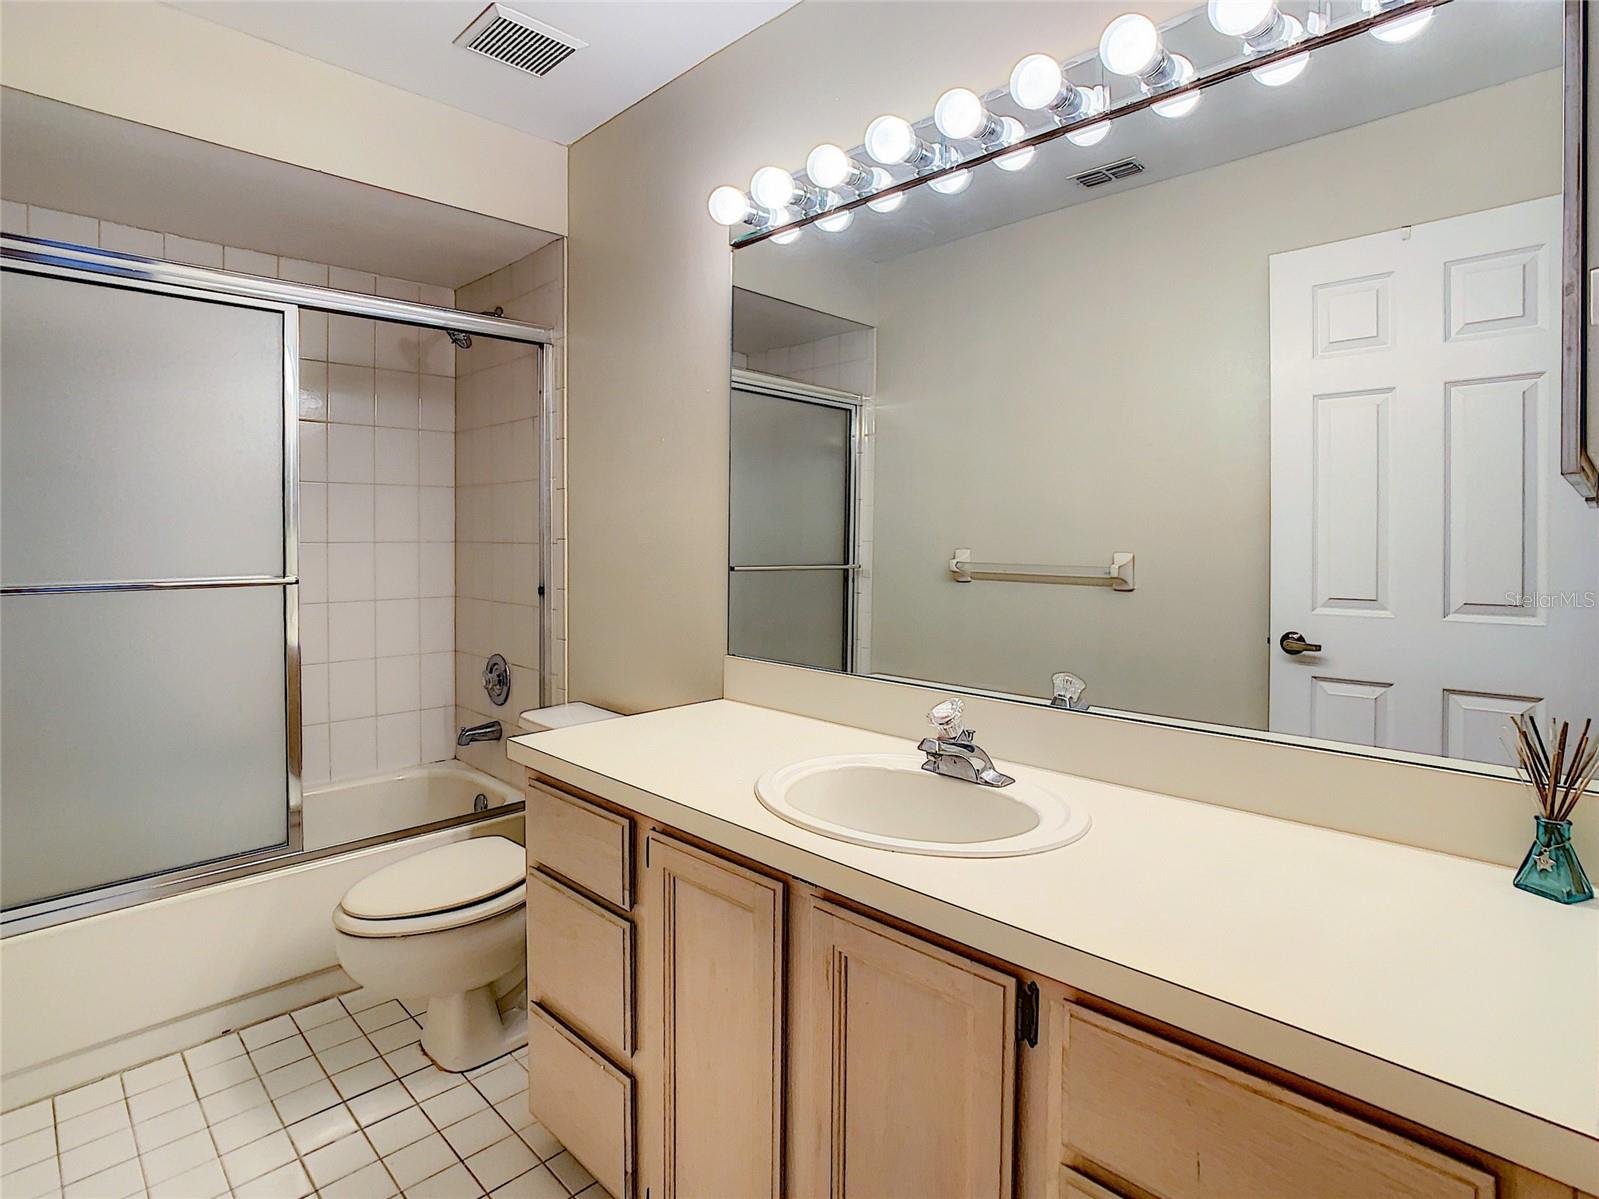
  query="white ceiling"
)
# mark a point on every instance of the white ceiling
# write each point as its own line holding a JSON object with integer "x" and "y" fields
{"x": 59, "y": 156}
{"x": 633, "y": 48}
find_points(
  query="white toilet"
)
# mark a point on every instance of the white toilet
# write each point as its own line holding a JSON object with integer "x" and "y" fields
{"x": 443, "y": 925}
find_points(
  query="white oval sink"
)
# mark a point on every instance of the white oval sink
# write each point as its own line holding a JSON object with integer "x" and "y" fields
{"x": 889, "y": 802}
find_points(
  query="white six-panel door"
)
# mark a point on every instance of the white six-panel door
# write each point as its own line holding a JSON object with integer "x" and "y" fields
{"x": 1421, "y": 533}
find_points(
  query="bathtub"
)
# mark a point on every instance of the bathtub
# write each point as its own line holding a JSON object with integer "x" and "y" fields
{"x": 339, "y": 813}
{"x": 107, "y": 992}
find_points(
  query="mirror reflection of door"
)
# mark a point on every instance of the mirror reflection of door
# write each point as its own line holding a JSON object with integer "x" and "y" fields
{"x": 1422, "y": 536}
{"x": 791, "y": 576}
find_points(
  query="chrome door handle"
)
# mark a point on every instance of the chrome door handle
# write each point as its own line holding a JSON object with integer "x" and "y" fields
{"x": 1295, "y": 644}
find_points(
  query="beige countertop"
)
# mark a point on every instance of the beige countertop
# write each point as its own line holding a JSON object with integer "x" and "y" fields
{"x": 1423, "y": 983}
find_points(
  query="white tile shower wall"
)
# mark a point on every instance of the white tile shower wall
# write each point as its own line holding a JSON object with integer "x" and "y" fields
{"x": 846, "y": 362}
{"x": 377, "y": 507}
{"x": 497, "y": 489}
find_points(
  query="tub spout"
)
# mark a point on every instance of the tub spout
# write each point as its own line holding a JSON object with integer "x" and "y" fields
{"x": 489, "y": 730}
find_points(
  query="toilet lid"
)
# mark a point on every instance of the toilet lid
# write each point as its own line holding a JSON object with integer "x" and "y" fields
{"x": 451, "y": 876}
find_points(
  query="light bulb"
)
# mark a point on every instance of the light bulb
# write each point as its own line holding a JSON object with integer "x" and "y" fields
{"x": 880, "y": 180}
{"x": 729, "y": 206}
{"x": 890, "y": 139}
{"x": 1011, "y": 130}
{"x": 1179, "y": 106}
{"x": 1130, "y": 45}
{"x": 836, "y": 222}
{"x": 1402, "y": 29}
{"x": 953, "y": 184}
{"x": 960, "y": 114}
{"x": 1035, "y": 82}
{"x": 772, "y": 187}
{"x": 1240, "y": 18}
{"x": 1283, "y": 71}
{"x": 1089, "y": 135}
{"x": 829, "y": 166}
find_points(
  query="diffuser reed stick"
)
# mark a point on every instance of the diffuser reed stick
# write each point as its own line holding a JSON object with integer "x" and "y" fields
{"x": 1558, "y": 780}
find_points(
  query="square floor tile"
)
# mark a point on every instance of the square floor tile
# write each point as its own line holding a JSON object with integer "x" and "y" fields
{"x": 502, "y": 1083}
{"x": 308, "y": 1101}
{"x": 179, "y": 1157}
{"x": 387, "y": 1040}
{"x": 292, "y": 1077}
{"x": 540, "y": 1140}
{"x": 369, "y": 1182}
{"x": 345, "y": 1156}
{"x": 324, "y": 1128}
{"x": 247, "y": 1126}
{"x": 454, "y": 1183}
{"x": 319, "y": 1014}
{"x": 286, "y": 1182}
{"x": 258, "y": 1158}
{"x": 536, "y": 1184}
{"x": 594, "y": 1191}
{"x": 268, "y": 1031}
{"x": 419, "y": 1160}
{"x": 380, "y": 1103}
{"x": 477, "y": 1131}
{"x": 407, "y": 1059}
{"x": 381, "y": 1016}
{"x": 452, "y": 1105}
{"x": 223, "y": 1075}
{"x": 97, "y": 1156}
{"x": 168, "y": 1127}
{"x": 280, "y": 1053}
{"x": 234, "y": 1100}
{"x": 359, "y": 1001}
{"x": 153, "y": 1074}
{"x": 570, "y": 1171}
{"x": 514, "y": 1111}
{"x": 350, "y": 1053}
{"x": 501, "y": 1162}
{"x": 160, "y": 1099}
{"x": 21, "y": 1121}
{"x": 205, "y": 1181}
{"x": 86, "y": 1099}
{"x": 212, "y": 1052}
{"x": 91, "y": 1126}
{"x": 121, "y": 1181}
{"x": 334, "y": 1032}
{"x": 490, "y": 1066}
{"x": 41, "y": 1178}
{"x": 366, "y": 1077}
{"x": 425, "y": 1084}
{"x": 399, "y": 1130}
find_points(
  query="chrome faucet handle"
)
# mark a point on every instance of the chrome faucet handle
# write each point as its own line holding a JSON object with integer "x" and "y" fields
{"x": 946, "y": 718}
{"x": 1068, "y": 691}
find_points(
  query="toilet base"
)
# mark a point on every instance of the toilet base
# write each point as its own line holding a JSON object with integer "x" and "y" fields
{"x": 464, "y": 1030}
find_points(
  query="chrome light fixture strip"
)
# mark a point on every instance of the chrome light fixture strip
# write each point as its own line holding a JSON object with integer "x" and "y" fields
{"x": 16, "y": 248}
{"x": 1138, "y": 104}
{"x": 152, "y": 585}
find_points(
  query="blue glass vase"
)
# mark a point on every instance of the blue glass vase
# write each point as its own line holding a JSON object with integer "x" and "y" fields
{"x": 1551, "y": 868}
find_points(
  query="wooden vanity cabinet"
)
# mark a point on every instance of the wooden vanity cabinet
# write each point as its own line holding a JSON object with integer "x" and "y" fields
{"x": 904, "y": 1065}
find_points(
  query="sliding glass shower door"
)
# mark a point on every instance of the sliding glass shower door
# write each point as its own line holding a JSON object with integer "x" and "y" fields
{"x": 149, "y": 684}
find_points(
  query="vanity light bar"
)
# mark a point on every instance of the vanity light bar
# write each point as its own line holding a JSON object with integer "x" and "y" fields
{"x": 1276, "y": 50}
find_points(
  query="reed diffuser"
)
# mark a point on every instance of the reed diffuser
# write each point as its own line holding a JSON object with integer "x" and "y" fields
{"x": 1558, "y": 779}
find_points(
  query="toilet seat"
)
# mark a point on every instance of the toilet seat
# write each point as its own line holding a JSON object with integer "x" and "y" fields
{"x": 452, "y": 886}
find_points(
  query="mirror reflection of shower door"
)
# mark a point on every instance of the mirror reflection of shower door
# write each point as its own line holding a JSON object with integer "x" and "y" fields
{"x": 791, "y": 586}
{"x": 149, "y": 690}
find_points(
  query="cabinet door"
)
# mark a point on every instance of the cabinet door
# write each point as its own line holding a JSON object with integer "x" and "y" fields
{"x": 715, "y": 986}
{"x": 904, "y": 1064}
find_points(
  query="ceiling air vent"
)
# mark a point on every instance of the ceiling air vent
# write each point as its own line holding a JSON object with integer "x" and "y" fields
{"x": 518, "y": 40}
{"x": 1124, "y": 169}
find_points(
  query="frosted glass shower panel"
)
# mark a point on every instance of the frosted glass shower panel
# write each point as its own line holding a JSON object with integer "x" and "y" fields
{"x": 141, "y": 434}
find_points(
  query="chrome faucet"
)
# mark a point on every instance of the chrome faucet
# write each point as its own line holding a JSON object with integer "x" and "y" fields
{"x": 954, "y": 754}
{"x": 489, "y": 730}
{"x": 1068, "y": 689}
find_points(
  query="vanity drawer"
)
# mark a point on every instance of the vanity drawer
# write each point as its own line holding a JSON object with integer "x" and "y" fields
{"x": 582, "y": 842}
{"x": 580, "y": 963}
{"x": 1183, "y": 1126}
{"x": 1079, "y": 1186}
{"x": 583, "y": 1100}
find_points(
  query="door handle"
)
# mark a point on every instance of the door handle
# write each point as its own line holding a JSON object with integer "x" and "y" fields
{"x": 1295, "y": 644}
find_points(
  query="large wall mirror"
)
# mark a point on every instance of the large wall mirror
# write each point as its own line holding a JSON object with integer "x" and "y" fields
{"x": 1250, "y": 417}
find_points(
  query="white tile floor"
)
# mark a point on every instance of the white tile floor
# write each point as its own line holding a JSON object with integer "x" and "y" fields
{"x": 335, "y": 1100}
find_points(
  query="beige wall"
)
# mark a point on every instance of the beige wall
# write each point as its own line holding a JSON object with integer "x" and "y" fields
{"x": 162, "y": 67}
{"x": 649, "y": 305}
{"x": 1139, "y": 422}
